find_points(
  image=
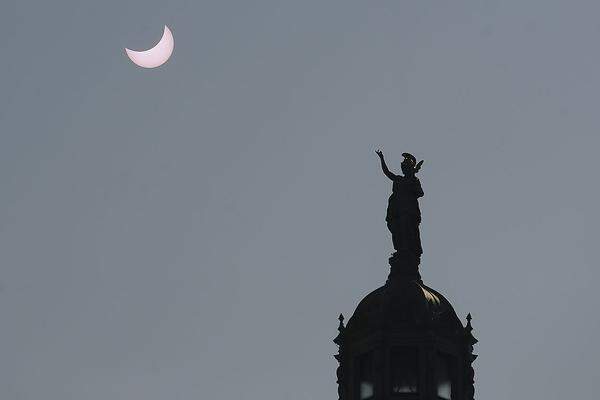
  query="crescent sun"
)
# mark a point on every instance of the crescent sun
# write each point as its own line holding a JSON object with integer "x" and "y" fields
{"x": 155, "y": 56}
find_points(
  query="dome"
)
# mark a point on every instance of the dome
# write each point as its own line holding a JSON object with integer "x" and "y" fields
{"x": 404, "y": 305}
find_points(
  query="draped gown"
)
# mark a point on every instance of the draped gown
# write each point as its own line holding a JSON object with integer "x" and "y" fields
{"x": 403, "y": 214}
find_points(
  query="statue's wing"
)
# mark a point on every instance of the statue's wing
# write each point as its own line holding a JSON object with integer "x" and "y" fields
{"x": 418, "y": 167}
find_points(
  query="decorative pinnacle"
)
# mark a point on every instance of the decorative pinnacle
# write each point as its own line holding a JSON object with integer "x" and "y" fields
{"x": 338, "y": 338}
{"x": 469, "y": 329}
{"x": 341, "y": 326}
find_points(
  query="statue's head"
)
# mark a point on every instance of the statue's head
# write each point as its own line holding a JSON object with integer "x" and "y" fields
{"x": 409, "y": 165}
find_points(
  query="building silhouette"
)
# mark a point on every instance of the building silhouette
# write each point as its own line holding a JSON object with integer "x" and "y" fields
{"x": 404, "y": 340}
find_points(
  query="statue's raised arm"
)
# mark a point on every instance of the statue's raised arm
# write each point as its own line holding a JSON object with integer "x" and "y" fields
{"x": 384, "y": 167}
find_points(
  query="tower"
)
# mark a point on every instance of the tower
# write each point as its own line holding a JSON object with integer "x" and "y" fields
{"x": 404, "y": 340}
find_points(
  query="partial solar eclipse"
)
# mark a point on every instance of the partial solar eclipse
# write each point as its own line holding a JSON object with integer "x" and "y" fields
{"x": 155, "y": 56}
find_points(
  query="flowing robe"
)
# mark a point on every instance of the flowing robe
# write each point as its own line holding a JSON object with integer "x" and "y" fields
{"x": 403, "y": 214}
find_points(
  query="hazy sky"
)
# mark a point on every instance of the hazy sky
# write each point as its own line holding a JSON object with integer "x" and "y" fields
{"x": 193, "y": 231}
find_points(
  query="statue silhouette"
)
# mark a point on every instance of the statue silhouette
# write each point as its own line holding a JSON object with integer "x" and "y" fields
{"x": 403, "y": 214}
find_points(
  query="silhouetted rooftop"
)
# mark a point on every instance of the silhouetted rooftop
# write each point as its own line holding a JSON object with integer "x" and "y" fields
{"x": 404, "y": 304}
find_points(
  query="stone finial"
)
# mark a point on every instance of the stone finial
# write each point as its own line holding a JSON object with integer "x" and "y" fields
{"x": 469, "y": 330}
{"x": 341, "y": 319}
{"x": 341, "y": 327}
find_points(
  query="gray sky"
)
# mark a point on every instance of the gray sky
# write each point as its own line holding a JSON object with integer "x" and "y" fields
{"x": 193, "y": 231}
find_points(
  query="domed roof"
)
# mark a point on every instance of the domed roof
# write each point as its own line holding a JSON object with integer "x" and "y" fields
{"x": 401, "y": 305}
